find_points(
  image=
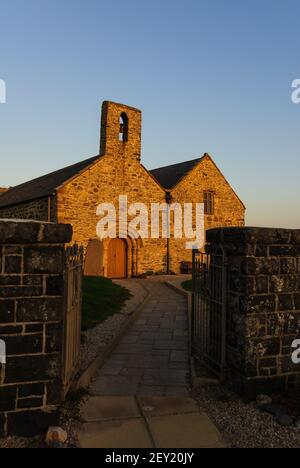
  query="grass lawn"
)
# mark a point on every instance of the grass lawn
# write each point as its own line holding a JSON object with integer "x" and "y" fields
{"x": 101, "y": 299}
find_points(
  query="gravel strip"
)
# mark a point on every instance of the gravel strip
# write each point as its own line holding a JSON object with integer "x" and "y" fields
{"x": 15, "y": 442}
{"x": 244, "y": 425}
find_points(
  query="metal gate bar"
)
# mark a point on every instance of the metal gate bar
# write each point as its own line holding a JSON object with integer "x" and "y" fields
{"x": 209, "y": 310}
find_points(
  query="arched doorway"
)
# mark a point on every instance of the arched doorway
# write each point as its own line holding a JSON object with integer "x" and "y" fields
{"x": 94, "y": 259}
{"x": 117, "y": 259}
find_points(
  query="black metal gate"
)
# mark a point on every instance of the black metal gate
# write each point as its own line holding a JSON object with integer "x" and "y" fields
{"x": 208, "y": 324}
{"x": 72, "y": 314}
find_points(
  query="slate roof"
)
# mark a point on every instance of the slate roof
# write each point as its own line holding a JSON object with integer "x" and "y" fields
{"x": 169, "y": 176}
{"x": 42, "y": 186}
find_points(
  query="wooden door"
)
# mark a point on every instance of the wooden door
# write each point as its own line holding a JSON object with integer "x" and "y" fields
{"x": 93, "y": 265}
{"x": 117, "y": 259}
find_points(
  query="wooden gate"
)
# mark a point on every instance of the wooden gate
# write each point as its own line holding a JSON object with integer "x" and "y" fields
{"x": 209, "y": 310}
{"x": 72, "y": 314}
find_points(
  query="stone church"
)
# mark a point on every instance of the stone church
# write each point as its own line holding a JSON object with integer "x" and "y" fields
{"x": 72, "y": 195}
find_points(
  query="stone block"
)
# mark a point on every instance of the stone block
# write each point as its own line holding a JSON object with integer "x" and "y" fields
{"x": 260, "y": 266}
{"x": 284, "y": 250}
{"x": 29, "y": 403}
{"x": 24, "y": 344}
{"x": 285, "y": 302}
{"x": 250, "y": 235}
{"x": 8, "y": 396}
{"x": 30, "y": 390}
{"x": 7, "y": 311}
{"x": 32, "y": 368}
{"x": 288, "y": 266}
{"x": 13, "y": 264}
{"x": 39, "y": 310}
{"x": 9, "y": 280}
{"x": 264, "y": 303}
{"x": 31, "y": 232}
{"x": 43, "y": 259}
{"x": 285, "y": 283}
{"x": 10, "y": 330}
{"x": 34, "y": 328}
{"x": 33, "y": 280}
{"x": 54, "y": 286}
{"x": 20, "y": 291}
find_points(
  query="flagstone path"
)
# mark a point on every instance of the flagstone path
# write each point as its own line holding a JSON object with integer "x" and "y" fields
{"x": 152, "y": 359}
{"x": 140, "y": 397}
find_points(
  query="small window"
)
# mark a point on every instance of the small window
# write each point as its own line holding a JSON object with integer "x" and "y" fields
{"x": 123, "y": 133}
{"x": 209, "y": 203}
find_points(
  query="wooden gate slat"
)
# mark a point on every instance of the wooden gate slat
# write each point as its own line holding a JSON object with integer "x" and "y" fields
{"x": 72, "y": 315}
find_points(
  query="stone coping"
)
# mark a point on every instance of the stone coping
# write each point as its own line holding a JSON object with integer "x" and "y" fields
{"x": 15, "y": 231}
{"x": 253, "y": 235}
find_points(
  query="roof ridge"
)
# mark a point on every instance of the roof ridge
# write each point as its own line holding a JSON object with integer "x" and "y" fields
{"x": 44, "y": 185}
{"x": 57, "y": 171}
{"x": 170, "y": 176}
{"x": 178, "y": 164}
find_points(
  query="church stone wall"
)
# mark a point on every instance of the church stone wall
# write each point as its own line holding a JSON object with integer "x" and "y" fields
{"x": 37, "y": 210}
{"x": 228, "y": 209}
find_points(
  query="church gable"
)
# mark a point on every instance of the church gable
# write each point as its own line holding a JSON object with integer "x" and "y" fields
{"x": 205, "y": 181}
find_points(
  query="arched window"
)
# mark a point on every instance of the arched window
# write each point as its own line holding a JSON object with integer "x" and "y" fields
{"x": 123, "y": 134}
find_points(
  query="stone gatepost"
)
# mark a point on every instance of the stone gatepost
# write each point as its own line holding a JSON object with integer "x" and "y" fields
{"x": 31, "y": 319}
{"x": 263, "y": 306}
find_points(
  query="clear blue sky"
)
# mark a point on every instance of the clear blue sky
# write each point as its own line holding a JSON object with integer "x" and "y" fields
{"x": 210, "y": 76}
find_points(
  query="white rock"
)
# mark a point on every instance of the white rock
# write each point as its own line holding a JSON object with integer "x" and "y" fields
{"x": 56, "y": 434}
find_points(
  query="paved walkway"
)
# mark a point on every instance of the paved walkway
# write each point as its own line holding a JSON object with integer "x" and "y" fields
{"x": 152, "y": 359}
{"x": 146, "y": 422}
{"x": 140, "y": 398}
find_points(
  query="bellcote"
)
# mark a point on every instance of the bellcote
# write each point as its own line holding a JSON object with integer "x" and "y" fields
{"x": 121, "y": 128}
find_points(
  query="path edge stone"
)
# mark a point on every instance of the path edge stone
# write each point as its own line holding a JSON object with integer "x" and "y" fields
{"x": 188, "y": 296}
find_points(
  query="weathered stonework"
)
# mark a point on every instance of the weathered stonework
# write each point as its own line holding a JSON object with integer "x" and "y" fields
{"x": 31, "y": 315}
{"x": 263, "y": 306}
{"x": 229, "y": 210}
{"x": 43, "y": 209}
{"x": 118, "y": 171}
